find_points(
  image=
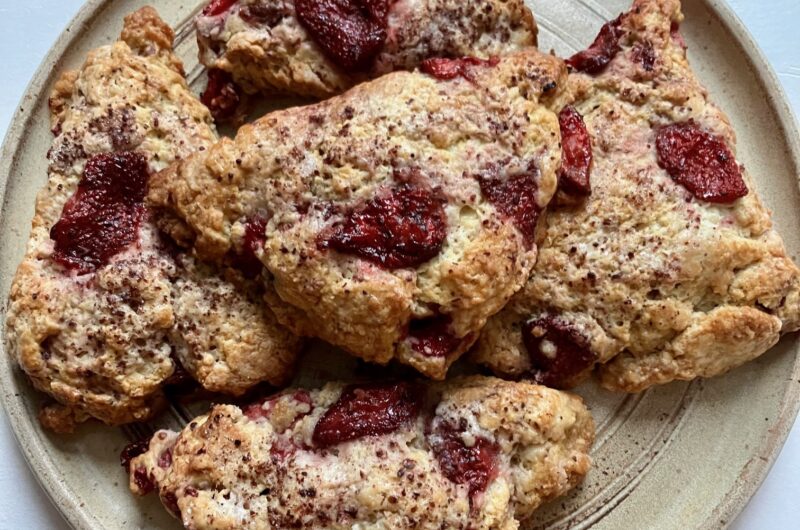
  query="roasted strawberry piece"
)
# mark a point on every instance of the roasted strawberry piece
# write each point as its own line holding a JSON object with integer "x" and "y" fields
{"x": 246, "y": 259}
{"x": 350, "y": 32}
{"x": 433, "y": 337}
{"x": 464, "y": 457}
{"x": 368, "y": 410}
{"x": 515, "y": 196}
{"x": 558, "y": 352}
{"x": 596, "y": 57}
{"x": 221, "y": 95}
{"x": 103, "y": 216}
{"x": 403, "y": 228}
{"x": 576, "y": 146}
{"x": 446, "y": 69}
{"x": 131, "y": 451}
{"x": 217, "y": 7}
{"x": 700, "y": 162}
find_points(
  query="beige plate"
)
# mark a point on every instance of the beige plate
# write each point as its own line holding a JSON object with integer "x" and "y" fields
{"x": 681, "y": 456}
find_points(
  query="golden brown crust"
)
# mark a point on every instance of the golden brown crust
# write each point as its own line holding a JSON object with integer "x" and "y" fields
{"x": 100, "y": 343}
{"x": 663, "y": 285}
{"x": 225, "y": 336}
{"x": 226, "y": 470}
{"x": 279, "y": 56}
{"x": 304, "y": 168}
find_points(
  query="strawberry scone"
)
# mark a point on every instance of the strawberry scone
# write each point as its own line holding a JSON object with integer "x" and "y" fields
{"x": 392, "y": 220}
{"x": 473, "y": 453}
{"x": 101, "y": 309}
{"x": 664, "y": 265}
{"x": 320, "y": 48}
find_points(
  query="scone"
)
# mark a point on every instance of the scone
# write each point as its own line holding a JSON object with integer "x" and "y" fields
{"x": 669, "y": 269}
{"x": 392, "y": 220}
{"x": 319, "y": 49}
{"x": 477, "y": 453}
{"x": 100, "y": 306}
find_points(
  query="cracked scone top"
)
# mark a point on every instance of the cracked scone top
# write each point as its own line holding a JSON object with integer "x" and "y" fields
{"x": 392, "y": 220}
{"x": 322, "y": 48}
{"x": 476, "y": 453}
{"x": 99, "y": 302}
{"x": 669, "y": 269}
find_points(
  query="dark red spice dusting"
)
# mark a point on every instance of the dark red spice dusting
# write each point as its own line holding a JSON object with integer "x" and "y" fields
{"x": 644, "y": 54}
{"x": 433, "y": 337}
{"x": 515, "y": 197}
{"x": 217, "y": 7}
{"x": 368, "y": 410}
{"x": 604, "y": 48}
{"x": 131, "y": 451}
{"x": 700, "y": 161}
{"x": 571, "y": 353}
{"x": 403, "y": 228}
{"x": 350, "y": 32}
{"x": 102, "y": 218}
{"x": 221, "y": 96}
{"x": 246, "y": 260}
{"x": 446, "y": 69}
{"x": 475, "y": 465}
{"x": 576, "y": 146}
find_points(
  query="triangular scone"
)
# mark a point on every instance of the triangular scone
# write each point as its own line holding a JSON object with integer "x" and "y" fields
{"x": 100, "y": 304}
{"x": 392, "y": 220}
{"x": 320, "y": 49}
{"x": 477, "y": 453}
{"x": 661, "y": 272}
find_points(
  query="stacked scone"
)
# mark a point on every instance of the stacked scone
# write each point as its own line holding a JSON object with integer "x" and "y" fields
{"x": 458, "y": 191}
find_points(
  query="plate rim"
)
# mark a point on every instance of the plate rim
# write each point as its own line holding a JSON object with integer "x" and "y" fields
{"x": 67, "y": 502}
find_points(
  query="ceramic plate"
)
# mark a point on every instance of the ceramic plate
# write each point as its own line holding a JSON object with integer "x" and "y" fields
{"x": 686, "y": 455}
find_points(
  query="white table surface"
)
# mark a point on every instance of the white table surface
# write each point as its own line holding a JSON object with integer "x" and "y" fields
{"x": 29, "y": 27}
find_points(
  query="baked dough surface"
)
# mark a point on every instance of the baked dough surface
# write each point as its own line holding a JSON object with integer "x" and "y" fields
{"x": 276, "y": 54}
{"x": 231, "y": 470}
{"x": 304, "y": 169}
{"x": 100, "y": 343}
{"x": 662, "y": 285}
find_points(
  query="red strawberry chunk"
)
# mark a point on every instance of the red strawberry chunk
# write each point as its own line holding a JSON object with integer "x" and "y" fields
{"x": 102, "y": 218}
{"x": 557, "y": 351}
{"x": 446, "y": 69}
{"x": 368, "y": 410}
{"x": 217, "y": 7}
{"x": 474, "y": 465}
{"x": 350, "y": 32}
{"x": 700, "y": 162}
{"x": 404, "y": 228}
{"x": 605, "y": 47}
{"x": 515, "y": 197}
{"x": 433, "y": 337}
{"x": 576, "y": 146}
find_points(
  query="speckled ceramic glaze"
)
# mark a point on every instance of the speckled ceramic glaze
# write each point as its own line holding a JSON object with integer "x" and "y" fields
{"x": 686, "y": 455}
